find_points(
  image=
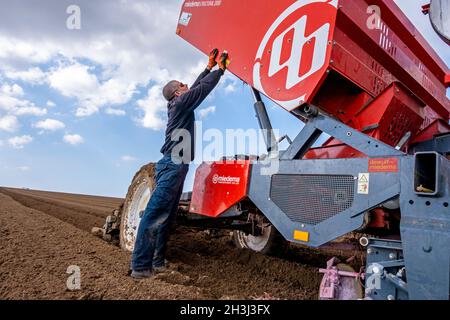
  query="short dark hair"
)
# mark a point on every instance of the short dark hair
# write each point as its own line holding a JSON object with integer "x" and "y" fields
{"x": 170, "y": 88}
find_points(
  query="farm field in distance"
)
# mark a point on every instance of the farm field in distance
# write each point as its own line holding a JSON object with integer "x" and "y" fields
{"x": 43, "y": 233}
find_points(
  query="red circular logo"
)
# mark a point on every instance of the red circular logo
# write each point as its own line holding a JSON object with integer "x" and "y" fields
{"x": 294, "y": 53}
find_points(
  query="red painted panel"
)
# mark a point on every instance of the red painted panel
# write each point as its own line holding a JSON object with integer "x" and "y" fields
{"x": 405, "y": 30}
{"x": 282, "y": 48}
{"x": 336, "y": 150}
{"x": 378, "y": 79}
{"x": 274, "y": 45}
{"x": 435, "y": 128}
{"x": 398, "y": 48}
{"x": 218, "y": 186}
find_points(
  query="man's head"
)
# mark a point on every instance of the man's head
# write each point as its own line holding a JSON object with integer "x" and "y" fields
{"x": 174, "y": 89}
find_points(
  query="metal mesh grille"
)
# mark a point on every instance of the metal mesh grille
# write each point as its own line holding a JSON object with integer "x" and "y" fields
{"x": 312, "y": 199}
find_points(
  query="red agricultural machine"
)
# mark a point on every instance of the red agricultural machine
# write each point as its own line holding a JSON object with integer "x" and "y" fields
{"x": 358, "y": 71}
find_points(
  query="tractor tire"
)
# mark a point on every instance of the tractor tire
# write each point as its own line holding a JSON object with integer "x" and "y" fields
{"x": 138, "y": 195}
{"x": 270, "y": 243}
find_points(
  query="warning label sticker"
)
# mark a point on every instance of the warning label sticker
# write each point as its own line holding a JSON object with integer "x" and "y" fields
{"x": 185, "y": 18}
{"x": 383, "y": 165}
{"x": 363, "y": 183}
{"x": 210, "y": 3}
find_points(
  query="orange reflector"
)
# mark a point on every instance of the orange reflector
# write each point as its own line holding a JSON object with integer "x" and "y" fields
{"x": 301, "y": 236}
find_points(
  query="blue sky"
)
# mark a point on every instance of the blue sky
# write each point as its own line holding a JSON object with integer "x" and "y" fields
{"x": 80, "y": 110}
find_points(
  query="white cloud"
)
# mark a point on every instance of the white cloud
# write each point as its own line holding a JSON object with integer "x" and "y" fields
{"x": 203, "y": 113}
{"x": 116, "y": 91}
{"x": 50, "y": 104}
{"x": 9, "y": 123}
{"x": 229, "y": 83}
{"x": 10, "y": 102}
{"x": 73, "y": 139}
{"x": 50, "y": 125}
{"x": 127, "y": 158}
{"x": 115, "y": 112}
{"x": 73, "y": 80}
{"x": 20, "y": 141}
{"x": 30, "y": 110}
{"x": 231, "y": 87}
{"x": 153, "y": 107}
{"x": 14, "y": 90}
{"x": 77, "y": 81}
{"x": 24, "y": 168}
{"x": 121, "y": 52}
{"x": 24, "y": 50}
{"x": 33, "y": 75}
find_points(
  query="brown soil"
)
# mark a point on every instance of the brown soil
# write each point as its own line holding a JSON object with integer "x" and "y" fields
{"x": 43, "y": 233}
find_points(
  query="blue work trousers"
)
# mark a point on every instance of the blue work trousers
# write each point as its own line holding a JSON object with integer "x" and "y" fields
{"x": 151, "y": 240}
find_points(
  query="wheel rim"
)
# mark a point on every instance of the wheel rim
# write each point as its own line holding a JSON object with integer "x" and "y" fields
{"x": 133, "y": 214}
{"x": 255, "y": 243}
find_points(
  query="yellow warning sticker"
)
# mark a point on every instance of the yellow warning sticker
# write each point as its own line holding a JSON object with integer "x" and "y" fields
{"x": 301, "y": 235}
{"x": 363, "y": 183}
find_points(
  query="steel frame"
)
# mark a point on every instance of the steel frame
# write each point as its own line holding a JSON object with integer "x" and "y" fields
{"x": 425, "y": 219}
{"x": 439, "y": 144}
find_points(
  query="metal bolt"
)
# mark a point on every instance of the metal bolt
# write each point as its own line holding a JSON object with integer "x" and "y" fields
{"x": 302, "y": 225}
{"x": 392, "y": 256}
{"x": 390, "y": 297}
{"x": 369, "y": 251}
{"x": 349, "y": 134}
{"x": 363, "y": 241}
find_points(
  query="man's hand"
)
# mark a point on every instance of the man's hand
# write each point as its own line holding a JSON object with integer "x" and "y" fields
{"x": 224, "y": 61}
{"x": 212, "y": 59}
